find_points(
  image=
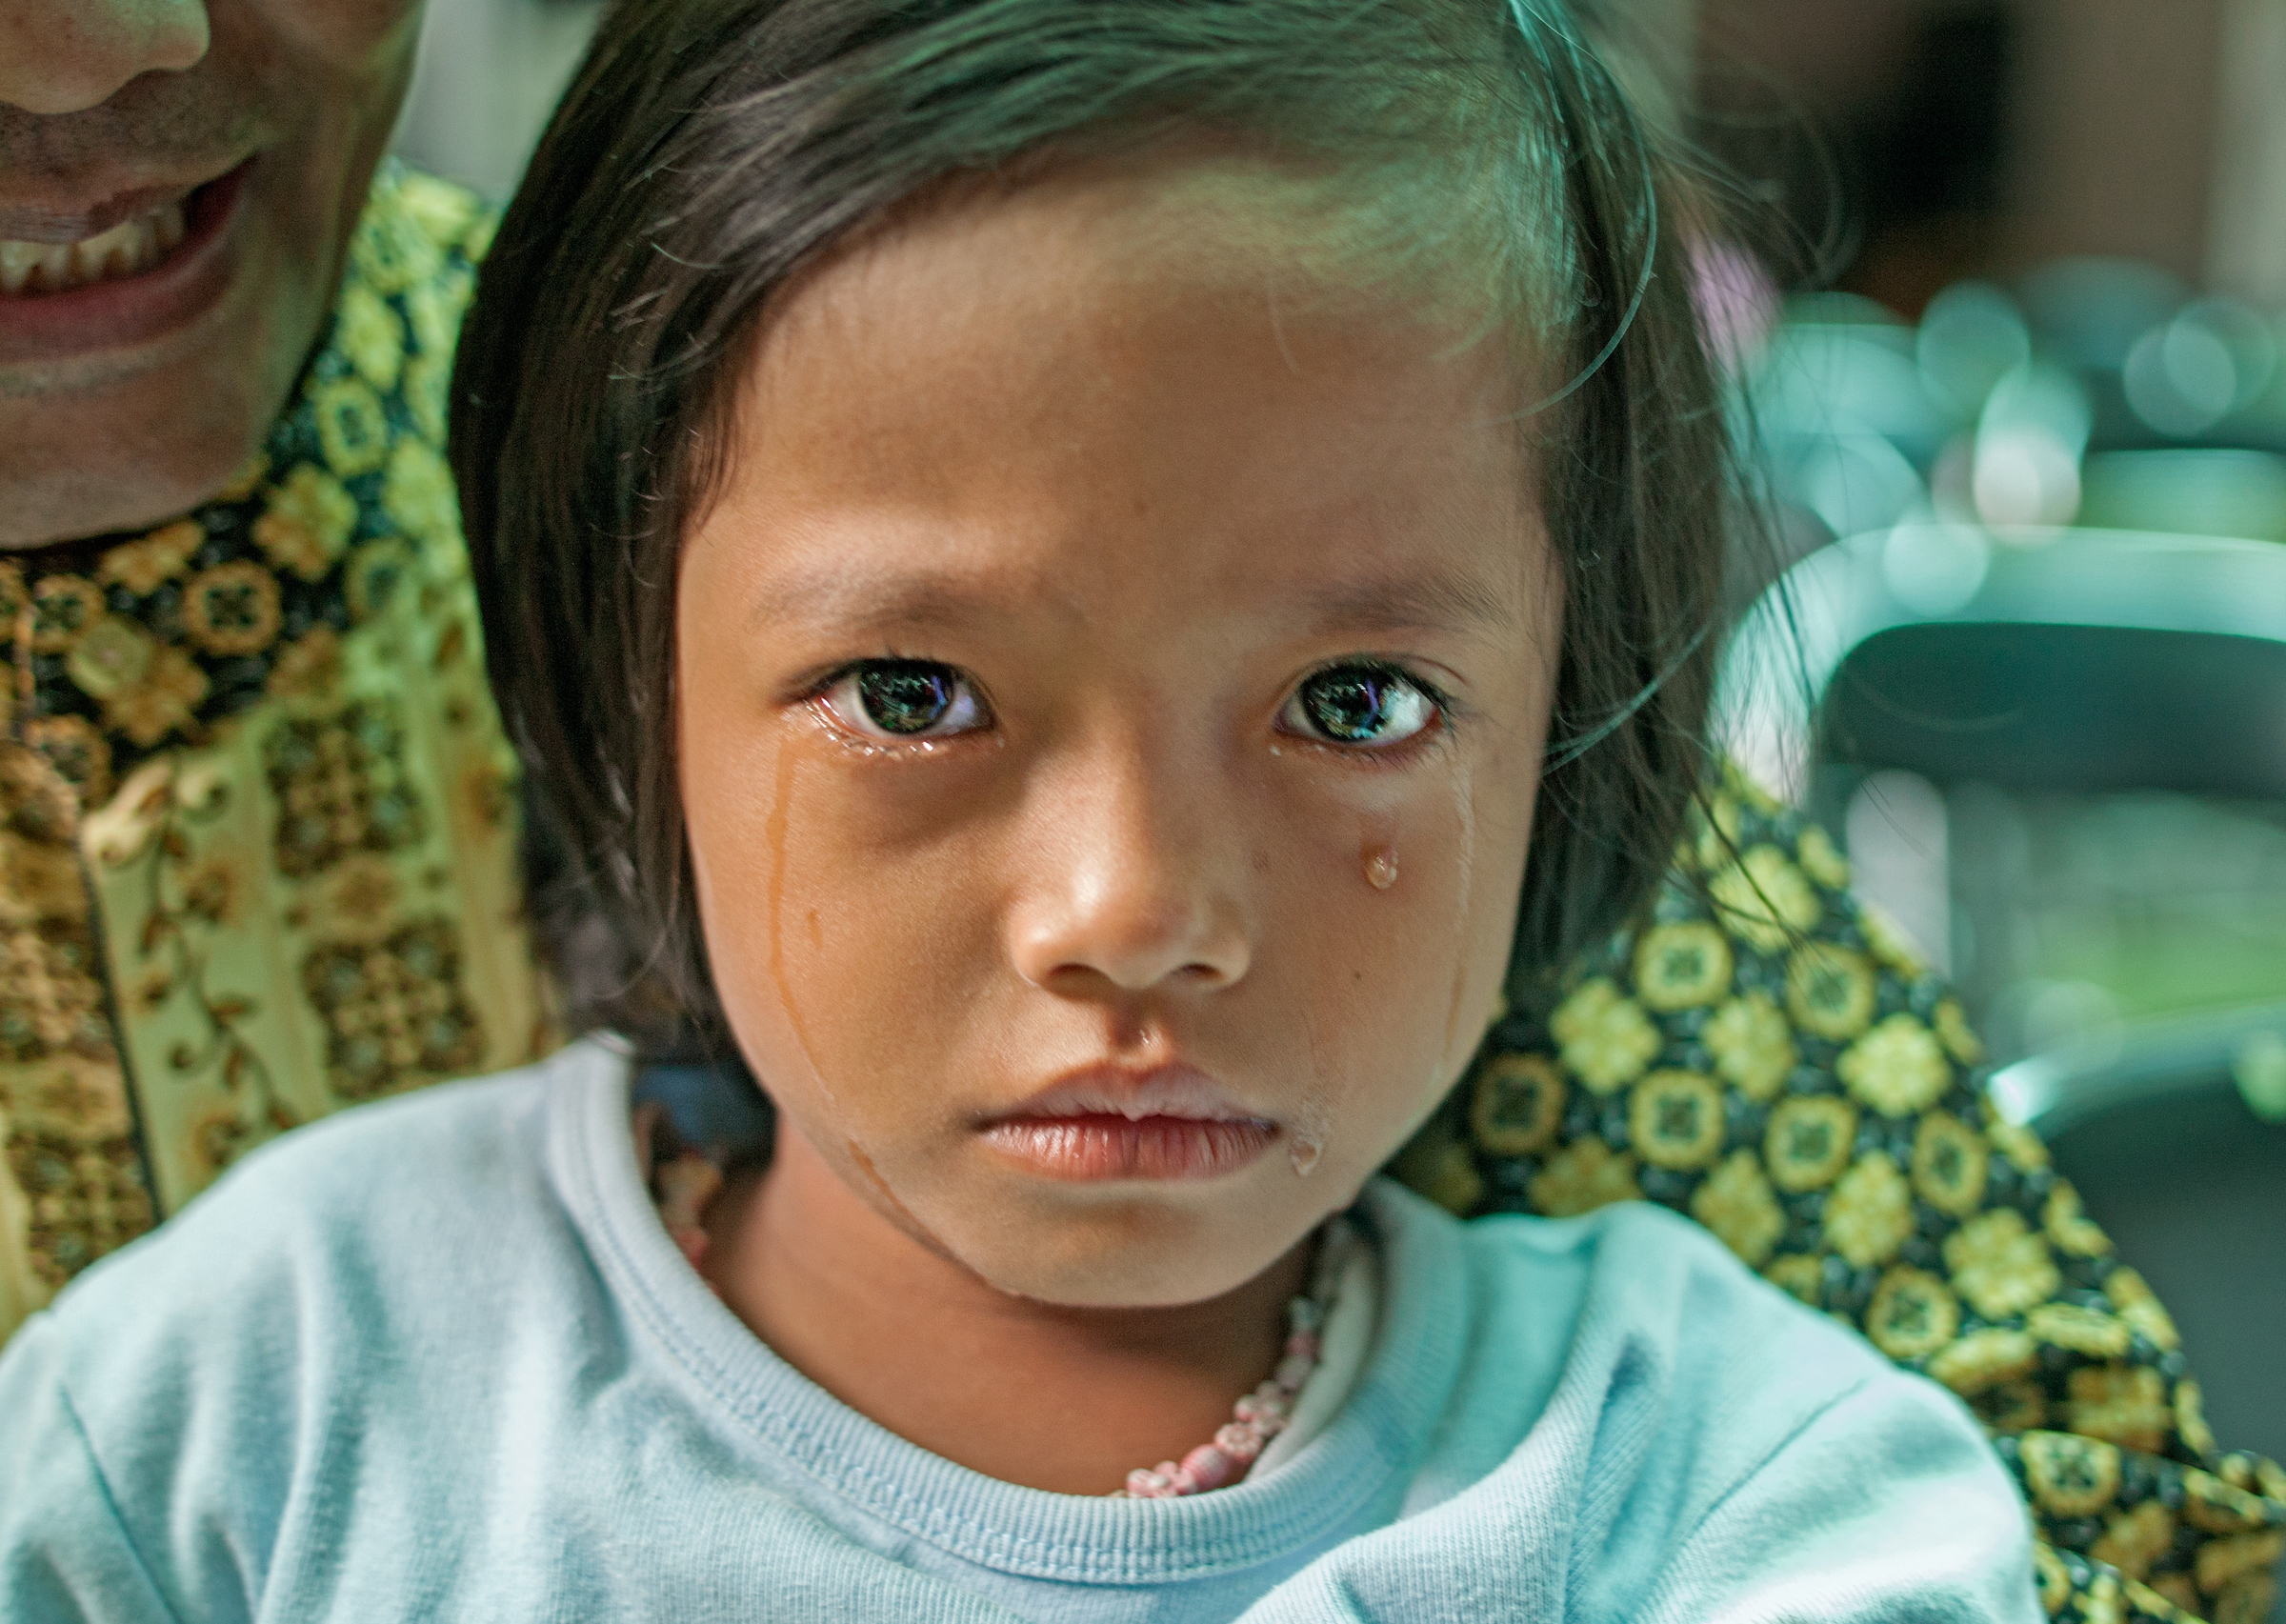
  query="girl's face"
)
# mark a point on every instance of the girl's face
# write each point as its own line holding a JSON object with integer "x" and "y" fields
{"x": 1113, "y": 684}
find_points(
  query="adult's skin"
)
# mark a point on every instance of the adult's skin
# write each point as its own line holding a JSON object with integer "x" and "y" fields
{"x": 128, "y": 399}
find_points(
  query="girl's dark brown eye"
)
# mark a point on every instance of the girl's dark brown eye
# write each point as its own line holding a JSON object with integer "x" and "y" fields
{"x": 904, "y": 699}
{"x": 1367, "y": 706}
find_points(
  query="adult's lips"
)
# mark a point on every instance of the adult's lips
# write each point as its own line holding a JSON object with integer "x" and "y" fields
{"x": 137, "y": 243}
{"x": 55, "y": 220}
{"x": 155, "y": 260}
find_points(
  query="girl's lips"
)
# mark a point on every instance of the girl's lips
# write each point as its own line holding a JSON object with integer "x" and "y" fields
{"x": 1113, "y": 1122}
{"x": 1094, "y": 1148}
{"x": 130, "y": 311}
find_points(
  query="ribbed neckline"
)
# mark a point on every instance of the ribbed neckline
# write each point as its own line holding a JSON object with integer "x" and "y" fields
{"x": 1028, "y": 1533}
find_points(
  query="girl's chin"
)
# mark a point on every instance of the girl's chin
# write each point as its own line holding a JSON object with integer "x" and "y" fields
{"x": 1073, "y": 1248}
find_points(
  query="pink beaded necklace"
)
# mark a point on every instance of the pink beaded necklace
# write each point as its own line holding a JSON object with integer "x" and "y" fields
{"x": 684, "y": 1184}
{"x": 1267, "y": 1411}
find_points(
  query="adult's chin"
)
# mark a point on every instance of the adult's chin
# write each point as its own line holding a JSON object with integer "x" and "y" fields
{"x": 137, "y": 459}
{"x": 98, "y": 436}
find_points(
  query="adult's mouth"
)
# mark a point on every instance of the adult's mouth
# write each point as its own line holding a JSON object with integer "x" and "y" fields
{"x": 1106, "y": 1122}
{"x": 124, "y": 271}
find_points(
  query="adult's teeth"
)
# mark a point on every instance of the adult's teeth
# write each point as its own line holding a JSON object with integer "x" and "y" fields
{"x": 128, "y": 249}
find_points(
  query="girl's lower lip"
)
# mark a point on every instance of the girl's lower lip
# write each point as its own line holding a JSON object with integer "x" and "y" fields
{"x": 1093, "y": 1149}
{"x": 131, "y": 310}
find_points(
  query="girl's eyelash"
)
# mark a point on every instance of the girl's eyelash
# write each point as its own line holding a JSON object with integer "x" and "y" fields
{"x": 1436, "y": 695}
{"x": 818, "y": 685}
{"x": 815, "y": 692}
{"x": 1404, "y": 750}
{"x": 814, "y": 689}
{"x": 1386, "y": 669}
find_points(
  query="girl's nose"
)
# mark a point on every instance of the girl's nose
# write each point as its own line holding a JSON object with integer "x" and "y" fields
{"x": 1133, "y": 883}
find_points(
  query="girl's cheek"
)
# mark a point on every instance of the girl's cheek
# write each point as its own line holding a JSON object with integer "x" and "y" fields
{"x": 740, "y": 807}
{"x": 1417, "y": 914}
{"x": 837, "y": 930}
{"x": 849, "y": 914}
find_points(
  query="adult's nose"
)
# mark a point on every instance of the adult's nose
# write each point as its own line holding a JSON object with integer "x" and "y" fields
{"x": 60, "y": 56}
{"x": 1133, "y": 881}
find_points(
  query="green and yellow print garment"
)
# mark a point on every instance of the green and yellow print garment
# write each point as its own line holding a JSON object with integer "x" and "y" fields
{"x": 1771, "y": 1058}
{"x": 258, "y": 849}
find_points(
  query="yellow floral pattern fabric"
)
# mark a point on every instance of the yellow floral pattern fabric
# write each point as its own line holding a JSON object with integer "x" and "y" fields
{"x": 258, "y": 842}
{"x": 1769, "y": 1057}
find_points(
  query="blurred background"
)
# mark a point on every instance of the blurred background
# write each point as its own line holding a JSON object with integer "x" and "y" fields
{"x": 2002, "y": 286}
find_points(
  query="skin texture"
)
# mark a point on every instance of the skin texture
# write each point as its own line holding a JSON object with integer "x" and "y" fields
{"x": 1137, "y": 490}
{"x": 103, "y": 98}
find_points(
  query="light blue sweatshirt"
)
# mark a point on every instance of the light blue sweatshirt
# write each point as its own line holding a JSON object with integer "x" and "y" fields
{"x": 436, "y": 1358}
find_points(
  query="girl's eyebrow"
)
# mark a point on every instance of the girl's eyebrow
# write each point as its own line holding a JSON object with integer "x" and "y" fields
{"x": 864, "y": 603}
{"x": 860, "y": 602}
{"x": 1437, "y": 600}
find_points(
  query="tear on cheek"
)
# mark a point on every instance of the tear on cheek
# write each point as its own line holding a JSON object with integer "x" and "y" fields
{"x": 1464, "y": 815}
{"x": 777, "y": 833}
{"x": 1377, "y": 852}
{"x": 897, "y": 1212}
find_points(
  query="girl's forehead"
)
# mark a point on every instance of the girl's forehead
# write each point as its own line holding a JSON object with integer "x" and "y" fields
{"x": 1089, "y": 393}
{"x": 1193, "y": 225}
{"x": 1099, "y": 284}
{"x": 1119, "y": 383}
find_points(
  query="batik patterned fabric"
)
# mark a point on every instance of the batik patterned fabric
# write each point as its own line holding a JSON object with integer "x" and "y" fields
{"x": 258, "y": 844}
{"x": 1770, "y": 1057}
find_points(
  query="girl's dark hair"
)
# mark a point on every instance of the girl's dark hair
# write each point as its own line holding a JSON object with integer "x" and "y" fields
{"x": 709, "y": 148}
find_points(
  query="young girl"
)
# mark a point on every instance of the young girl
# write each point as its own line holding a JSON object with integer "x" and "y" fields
{"x": 1084, "y": 583}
